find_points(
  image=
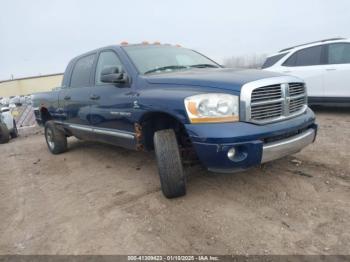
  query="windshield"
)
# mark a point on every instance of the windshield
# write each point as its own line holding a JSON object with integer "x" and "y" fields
{"x": 156, "y": 59}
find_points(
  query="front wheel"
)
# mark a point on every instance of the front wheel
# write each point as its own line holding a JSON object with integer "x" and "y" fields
{"x": 172, "y": 178}
{"x": 55, "y": 138}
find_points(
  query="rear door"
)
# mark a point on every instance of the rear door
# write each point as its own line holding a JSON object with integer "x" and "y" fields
{"x": 76, "y": 96}
{"x": 337, "y": 77}
{"x": 112, "y": 105}
{"x": 309, "y": 65}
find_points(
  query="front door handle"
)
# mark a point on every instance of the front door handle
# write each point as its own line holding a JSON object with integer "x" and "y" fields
{"x": 67, "y": 98}
{"x": 286, "y": 72}
{"x": 94, "y": 97}
{"x": 330, "y": 69}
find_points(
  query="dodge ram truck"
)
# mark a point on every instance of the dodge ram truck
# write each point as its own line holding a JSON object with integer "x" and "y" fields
{"x": 181, "y": 105}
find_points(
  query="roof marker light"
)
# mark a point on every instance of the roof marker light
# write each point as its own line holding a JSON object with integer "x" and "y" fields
{"x": 145, "y": 42}
{"x": 124, "y": 43}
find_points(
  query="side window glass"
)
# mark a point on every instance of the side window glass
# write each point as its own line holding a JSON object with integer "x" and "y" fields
{"x": 339, "y": 53}
{"x": 291, "y": 60}
{"x": 81, "y": 72}
{"x": 270, "y": 61}
{"x": 106, "y": 59}
{"x": 306, "y": 57}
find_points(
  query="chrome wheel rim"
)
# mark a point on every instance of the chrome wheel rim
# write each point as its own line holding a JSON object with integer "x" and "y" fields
{"x": 49, "y": 138}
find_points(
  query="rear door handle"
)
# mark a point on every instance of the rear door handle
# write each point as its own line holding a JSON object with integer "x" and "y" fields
{"x": 330, "y": 69}
{"x": 286, "y": 72}
{"x": 67, "y": 98}
{"x": 94, "y": 97}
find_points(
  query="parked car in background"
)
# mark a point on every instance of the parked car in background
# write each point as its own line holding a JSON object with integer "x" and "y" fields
{"x": 5, "y": 101}
{"x": 324, "y": 66}
{"x": 8, "y": 127}
{"x": 22, "y": 100}
{"x": 16, "y": 100}
{"x": 178, "y": 103}
{"x": 28, "y": 100}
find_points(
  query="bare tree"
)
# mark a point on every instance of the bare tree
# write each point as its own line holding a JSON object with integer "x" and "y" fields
{"x": 246, "y": 61}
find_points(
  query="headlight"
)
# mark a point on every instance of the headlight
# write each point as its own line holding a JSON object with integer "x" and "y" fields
{"x": 212, "y": 108}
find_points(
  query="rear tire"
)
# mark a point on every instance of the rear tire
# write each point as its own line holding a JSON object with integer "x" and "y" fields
{"x": 56, "y": 139}
{"x": 172, "y": 178}
{"x": 14, "y": 132}
{"x": 4, "y": 134}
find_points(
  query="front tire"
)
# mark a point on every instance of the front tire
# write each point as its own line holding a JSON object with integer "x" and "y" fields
{"x": 14, "y": 132}
{"x": 172, "y": 178}
{"x": 4, "y": 134}
{"x": 56, "y": 139}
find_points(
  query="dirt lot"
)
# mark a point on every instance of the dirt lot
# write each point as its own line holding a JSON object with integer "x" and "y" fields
{"x": 99, "y": 199}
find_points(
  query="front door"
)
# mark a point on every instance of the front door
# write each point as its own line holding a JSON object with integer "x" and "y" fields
{"x": 337, "y": 77}
{"x": 308, "y": 65}
{"x": 112, "y": 105}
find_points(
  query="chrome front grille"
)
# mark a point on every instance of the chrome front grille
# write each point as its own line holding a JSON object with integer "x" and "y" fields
{"x": 266, "y": 93}
{"x": 297, "y": 94}
{"x": 266, "y": 111}
{"x": 273, "y": 101}
{"x": 296, "y": 89}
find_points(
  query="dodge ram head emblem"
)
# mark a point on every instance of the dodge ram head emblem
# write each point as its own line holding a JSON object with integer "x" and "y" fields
{"x": 286, "y": 96}
{"x": 288, "y": 100}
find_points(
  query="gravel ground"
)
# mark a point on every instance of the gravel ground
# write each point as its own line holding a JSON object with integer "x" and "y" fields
{"x": 99, "y": 199}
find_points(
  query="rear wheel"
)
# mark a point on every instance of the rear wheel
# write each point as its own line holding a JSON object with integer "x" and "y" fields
{"x": 4, "y": 134}
{"x": 56, "y": 139}
{"x": 14, "y": 132}
{"x": 172, "y": 178}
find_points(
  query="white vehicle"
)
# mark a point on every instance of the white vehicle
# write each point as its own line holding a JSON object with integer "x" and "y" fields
{"x": 22, "y": 100}
{"x": 5, "y": 101}
{"x": 323, "y": 65}
{"x": 8, "y": 126}
{"x": 15, "y": 101}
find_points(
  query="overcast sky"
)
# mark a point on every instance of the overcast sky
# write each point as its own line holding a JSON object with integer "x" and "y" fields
{"x": 40, "y": 37}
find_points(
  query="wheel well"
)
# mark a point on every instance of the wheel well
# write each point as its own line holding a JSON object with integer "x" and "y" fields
{"x": 45, "y": 115}
{"x": 155, "y": 121}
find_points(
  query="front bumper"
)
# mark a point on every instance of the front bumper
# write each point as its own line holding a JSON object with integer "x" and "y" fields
{"x": 254, "y": 144}
{"x": 287, "y": 146}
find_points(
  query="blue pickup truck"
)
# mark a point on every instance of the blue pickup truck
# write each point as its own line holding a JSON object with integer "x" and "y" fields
{"x": 181, "y": 105}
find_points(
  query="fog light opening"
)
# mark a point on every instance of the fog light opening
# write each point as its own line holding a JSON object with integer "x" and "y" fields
{"x": 231, "y": 154}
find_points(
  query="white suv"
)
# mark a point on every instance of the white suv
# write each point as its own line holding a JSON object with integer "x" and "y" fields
{"x": 324, "y": 66}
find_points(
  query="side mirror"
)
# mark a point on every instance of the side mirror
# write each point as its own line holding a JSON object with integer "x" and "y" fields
{"x": 113, "y": 75}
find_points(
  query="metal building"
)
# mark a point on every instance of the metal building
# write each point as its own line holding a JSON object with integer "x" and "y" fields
{"x": 29, "y": 85}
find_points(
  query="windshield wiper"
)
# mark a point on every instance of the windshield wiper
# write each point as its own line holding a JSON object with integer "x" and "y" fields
{"x": 204, "y": 66}
{"x": 165, "y": 68}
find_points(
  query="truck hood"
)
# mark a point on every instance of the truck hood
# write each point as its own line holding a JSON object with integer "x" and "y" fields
{"x": 223, "y": 78}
